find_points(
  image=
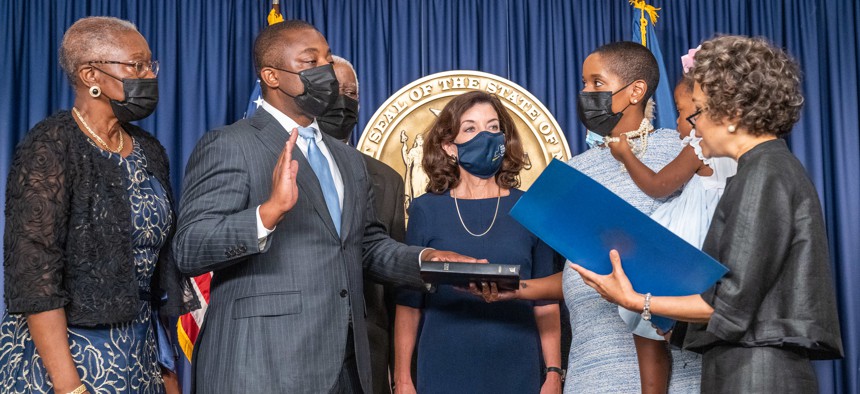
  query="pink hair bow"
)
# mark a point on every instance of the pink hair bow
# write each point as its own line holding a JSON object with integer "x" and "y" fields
{"x": 688, "y": 60}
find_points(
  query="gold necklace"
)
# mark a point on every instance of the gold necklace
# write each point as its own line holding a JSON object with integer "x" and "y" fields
{"x": 96, "y": 136}
{"x": 496, "y": 214}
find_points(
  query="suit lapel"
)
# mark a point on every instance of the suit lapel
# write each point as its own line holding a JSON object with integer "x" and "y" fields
{"x": 350, "y": 186}
{"x": 273, "y": 136}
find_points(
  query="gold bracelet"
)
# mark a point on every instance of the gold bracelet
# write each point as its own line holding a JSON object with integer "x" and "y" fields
{"x": 80, "y": 390}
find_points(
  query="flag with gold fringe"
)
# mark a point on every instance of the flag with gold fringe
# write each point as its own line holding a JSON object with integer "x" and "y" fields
{"x": 644, "y": 18}
{"x": 188, "y": 326}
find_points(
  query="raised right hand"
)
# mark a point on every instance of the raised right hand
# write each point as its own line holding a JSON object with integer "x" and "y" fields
{"x": 285, "y": 191}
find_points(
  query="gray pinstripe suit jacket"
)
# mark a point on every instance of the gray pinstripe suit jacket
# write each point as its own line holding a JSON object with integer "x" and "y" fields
{"x": 277, "y": 318}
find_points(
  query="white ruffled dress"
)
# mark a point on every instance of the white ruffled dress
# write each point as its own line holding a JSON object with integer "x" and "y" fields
{"x": 688, "y": 216}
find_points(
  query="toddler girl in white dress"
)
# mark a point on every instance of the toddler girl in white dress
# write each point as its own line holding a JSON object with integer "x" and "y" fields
{"x": 687, "y": 216}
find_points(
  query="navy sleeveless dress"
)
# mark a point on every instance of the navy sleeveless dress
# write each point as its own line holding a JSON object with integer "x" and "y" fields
{"x": 465, "y": 344}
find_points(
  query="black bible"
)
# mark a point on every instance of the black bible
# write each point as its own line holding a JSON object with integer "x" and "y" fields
{"x": 506, "y": 277}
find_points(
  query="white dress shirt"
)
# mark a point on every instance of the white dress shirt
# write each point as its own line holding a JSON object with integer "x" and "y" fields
{"x": 289, "y": 124}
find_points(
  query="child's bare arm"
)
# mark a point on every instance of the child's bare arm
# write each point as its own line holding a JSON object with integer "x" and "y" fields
{"x": 663, "y": 183}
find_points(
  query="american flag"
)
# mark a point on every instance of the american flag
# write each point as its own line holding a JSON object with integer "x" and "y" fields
{"x": 188, "y": 327}
{"x": 190, "y": 323}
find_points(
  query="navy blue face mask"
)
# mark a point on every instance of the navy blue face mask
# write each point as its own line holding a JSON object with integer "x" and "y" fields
{"x": 482, "y": 156}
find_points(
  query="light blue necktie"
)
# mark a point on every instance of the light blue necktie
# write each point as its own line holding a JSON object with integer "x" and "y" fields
{"x": 323, "y": 172}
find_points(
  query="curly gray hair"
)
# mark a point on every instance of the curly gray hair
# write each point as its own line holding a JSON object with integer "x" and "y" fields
{"x": 750, "y": 79}
{"x": 90, "y": 39}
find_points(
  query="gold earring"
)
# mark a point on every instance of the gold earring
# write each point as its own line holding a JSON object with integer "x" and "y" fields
{"x": 95, "y": 91}
{"x": 732, "y": 128}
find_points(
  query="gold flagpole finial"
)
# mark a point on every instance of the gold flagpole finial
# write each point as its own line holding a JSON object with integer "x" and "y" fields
{"x": 275, "y": 14}
{"x": 643, "y": 22}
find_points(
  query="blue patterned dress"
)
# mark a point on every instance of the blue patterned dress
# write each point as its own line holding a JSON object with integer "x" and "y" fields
{"x": 602, "y": 353}
{"x": 119, "y": 358}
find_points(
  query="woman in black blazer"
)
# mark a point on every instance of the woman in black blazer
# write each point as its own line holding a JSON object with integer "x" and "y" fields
{"x": 89, "y": 220}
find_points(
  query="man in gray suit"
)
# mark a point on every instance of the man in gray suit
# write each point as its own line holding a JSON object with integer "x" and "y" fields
{"x": 288, "y": 234}
{"x": 388, "y": 189}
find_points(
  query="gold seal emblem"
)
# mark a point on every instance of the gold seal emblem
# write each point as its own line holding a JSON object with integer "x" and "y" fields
{"x": 394, "y": 134}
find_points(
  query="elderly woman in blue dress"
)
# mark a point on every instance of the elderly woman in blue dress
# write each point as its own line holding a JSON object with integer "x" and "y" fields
{"x": 87, "y": 259}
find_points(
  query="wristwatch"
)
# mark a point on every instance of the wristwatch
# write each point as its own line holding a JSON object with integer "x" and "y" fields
{"x": 560, "y": 371}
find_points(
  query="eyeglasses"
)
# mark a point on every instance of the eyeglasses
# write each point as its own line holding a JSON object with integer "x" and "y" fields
{"x": 695, "y": 116}
{"x": 139, "y": 67}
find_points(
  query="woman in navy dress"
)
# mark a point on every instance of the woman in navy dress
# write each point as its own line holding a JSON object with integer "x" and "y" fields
{"x": 473, "y": 157}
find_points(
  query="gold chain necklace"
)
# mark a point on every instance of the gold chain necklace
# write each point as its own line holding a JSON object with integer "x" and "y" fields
{"x": 96, "y": 136}
{"x": 496, "y": 214}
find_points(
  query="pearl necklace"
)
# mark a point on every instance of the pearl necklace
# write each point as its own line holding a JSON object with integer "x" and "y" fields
{"x": 496, "y": 214}
{"x": 640, "y": 135}
{"x": 96, "y": 136}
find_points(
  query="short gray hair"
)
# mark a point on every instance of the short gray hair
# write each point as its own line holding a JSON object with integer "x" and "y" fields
{"x": 90, "y": 39}
{"x": 339, "y": 60}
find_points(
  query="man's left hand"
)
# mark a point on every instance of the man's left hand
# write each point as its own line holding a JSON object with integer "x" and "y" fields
{"x": 444, "y": 255}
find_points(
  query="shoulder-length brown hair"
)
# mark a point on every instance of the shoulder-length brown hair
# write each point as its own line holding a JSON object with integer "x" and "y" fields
{"x": 442, "y": 169}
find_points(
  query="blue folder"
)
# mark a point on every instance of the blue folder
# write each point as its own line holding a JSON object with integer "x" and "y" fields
{"x": 583, "y": 221}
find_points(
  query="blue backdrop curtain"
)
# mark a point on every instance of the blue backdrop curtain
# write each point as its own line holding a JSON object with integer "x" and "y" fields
{"x": 207, "y": 75}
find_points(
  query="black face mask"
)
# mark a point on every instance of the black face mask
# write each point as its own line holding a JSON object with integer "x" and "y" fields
{"x": 321, "y": 89}
{"x": 595, "y": 111}
{"x": 339, "y": 119}
{"x": 141, "y": 97}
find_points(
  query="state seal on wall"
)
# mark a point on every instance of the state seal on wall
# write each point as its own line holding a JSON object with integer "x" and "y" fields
{"x": 394, "y": 134}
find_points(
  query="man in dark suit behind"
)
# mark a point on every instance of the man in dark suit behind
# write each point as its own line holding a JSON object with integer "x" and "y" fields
{"x": 288, "y": 233}
{"x": 388, "y": 189}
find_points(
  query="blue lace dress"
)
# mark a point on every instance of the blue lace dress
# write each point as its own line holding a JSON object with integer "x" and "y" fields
{"x": 119, "y": 358}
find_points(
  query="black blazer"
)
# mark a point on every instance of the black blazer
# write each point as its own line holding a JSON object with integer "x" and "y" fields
{"x": 769, "y": 231}
{"x": 389, "y": 196}
{"x": 68, "y": 222}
